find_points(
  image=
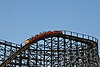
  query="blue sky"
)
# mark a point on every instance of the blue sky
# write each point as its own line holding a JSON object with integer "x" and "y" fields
{"x": 20, "y": 19}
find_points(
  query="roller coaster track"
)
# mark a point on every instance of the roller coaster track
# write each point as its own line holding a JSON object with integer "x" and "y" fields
{"x": 91, "y": 41}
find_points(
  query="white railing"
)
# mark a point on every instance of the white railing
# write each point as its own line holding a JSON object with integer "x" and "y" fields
{"x": 80, "y": 35}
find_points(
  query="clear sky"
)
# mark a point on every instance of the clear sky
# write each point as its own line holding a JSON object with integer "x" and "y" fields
{"x": 20, "y": 19}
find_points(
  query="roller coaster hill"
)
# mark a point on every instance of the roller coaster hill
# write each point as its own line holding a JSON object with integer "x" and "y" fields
{"x": 58, "y": 48}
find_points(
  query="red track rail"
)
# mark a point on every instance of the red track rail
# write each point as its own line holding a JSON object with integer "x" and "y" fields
{"x": 41, "y": 35}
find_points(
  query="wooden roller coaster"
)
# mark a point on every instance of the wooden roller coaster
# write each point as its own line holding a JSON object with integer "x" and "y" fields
{"x": 58, "y": 49}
